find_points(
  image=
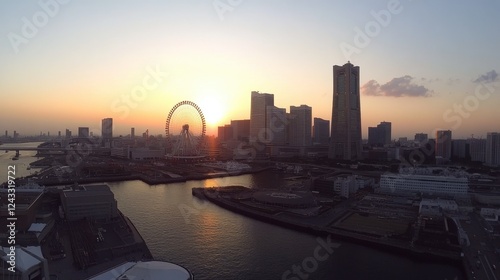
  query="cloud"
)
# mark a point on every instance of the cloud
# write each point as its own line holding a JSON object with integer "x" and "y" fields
{"x": 397, "y": 87}
{"x": 489, "y": 77}
{"x": 453, "y": 81}
{"x": 371, "y": 88}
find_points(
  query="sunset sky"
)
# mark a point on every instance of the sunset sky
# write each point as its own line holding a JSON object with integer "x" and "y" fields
{"x": 425, "y": 65}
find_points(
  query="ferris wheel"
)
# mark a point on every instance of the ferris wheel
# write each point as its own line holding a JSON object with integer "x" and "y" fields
{"x": 185, "y": 130}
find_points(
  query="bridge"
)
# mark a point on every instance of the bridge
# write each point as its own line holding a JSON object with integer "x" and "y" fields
{"x": 50, "y": 149}
{"x": 17, "y": 149}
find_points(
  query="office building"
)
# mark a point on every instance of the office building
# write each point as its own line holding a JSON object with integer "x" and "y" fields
{"x": 91, "y": 202}
{"x": 132, "y": 133}
{"x": 443, "y": 145}
{"x": 258, "y": 116}
{"x": 321, "y": 131}
{"x": 277, "y": 126}
{"x": 241, "y": 129}
{"x": 68, "y": 133}
{"x": 458, "y": 149}
{"x": 345, "y": 141}
{"x": 107, "y": 132}
{"x": 380, "y": 135}
{"x": 493, "y": 149}
{"x": 83, "y": 132}
{"x": 419, "y": 181}
{"x": 477, "y": 149}
{"x": 225, "y": 133}
{"x": 421, "y": 139}
{"x": 300, "y": 126}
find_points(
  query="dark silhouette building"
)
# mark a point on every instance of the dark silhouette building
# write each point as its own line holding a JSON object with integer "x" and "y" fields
{"x": 345, "y": 141}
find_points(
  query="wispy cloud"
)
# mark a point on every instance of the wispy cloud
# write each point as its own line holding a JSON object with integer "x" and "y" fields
{"x": 488, "y": 77}
{"x": 397, "y": 87}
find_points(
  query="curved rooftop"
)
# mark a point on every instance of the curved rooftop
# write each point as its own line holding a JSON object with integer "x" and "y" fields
{"x": 287, "y": 199}
{"x": 150, "y": 270}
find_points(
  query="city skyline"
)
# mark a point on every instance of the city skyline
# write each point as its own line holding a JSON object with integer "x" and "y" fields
{"x": 421, "y": 76}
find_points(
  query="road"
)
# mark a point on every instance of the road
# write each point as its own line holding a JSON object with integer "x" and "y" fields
{"x": 481, "y": 249}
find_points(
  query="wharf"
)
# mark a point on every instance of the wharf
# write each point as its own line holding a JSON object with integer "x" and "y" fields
{"x": 305, "y": 224}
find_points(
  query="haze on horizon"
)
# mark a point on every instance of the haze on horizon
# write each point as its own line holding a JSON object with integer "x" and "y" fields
{"x": 424, "y": 65}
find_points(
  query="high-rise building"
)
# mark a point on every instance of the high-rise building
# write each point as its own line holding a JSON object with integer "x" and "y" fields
{"x": 458, "y": 148}
{"x": 421, "y": 138}
{"x": 107, "y": 132}
{"x": 300, "y": 126}
{"x": 345, "y": 141}
{"x": 321, "y": 131}
{"x": 6, "y": 134}
{"x": 225, "y": 133}
{"x": 68, "y": 133}
{"x": 241, "y": 129}
{"x": 477, "y": 149}
{"x": 493, "y": 149}
{"x": 132, "y": 132}
{"x": 443, "y": 144}
{"x": 258, "y": 116}
{"x": 380, "y": 135}
{"x": 83, "y": 132}
{"x": 277, "y": 125}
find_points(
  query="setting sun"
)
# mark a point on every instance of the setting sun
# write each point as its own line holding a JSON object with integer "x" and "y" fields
{"x": 213, "y": 108}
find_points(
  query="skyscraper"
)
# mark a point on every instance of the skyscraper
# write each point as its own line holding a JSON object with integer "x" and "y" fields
{"x": 300, "y": 126}
{"x": 493, "y": 149}
{"x": 276, "y": 124}
{"x": 258, "y": 116}
{"x": 380, "y": 135}
{"x": 421, "y": 138}
{"x": 458, "y": 148}
{"x": 443, "y": 144}
{"x": 345, "y": 141}
{"x": 477, "y": 149}
{"x": 321, "y": 131}
{"x": 241, "y": 129}
{"x": 107, "y": 132}
{"x": 83, "y": 132}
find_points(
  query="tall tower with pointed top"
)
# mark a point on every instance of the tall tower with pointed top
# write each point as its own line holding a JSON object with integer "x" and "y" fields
{"x": 345, "y": 140}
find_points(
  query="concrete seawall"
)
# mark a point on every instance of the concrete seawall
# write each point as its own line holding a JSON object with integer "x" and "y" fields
{"x": 392, "y": 245}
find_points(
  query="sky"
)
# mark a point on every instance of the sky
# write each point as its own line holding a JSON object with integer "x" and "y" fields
{"x": 425, "y": 65}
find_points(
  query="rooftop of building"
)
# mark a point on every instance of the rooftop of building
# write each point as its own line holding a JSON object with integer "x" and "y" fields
{"x": 26, "y": 257}
{"x": 86, "y": 190}
{"x": 150, "y": 270}
{"x": 285, "y": 198}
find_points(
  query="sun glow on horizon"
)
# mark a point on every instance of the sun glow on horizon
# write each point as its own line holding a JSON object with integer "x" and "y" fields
{"x": 213, "y": 108}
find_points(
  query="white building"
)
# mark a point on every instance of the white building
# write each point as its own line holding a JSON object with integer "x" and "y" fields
{"x": 149, "y": 270}
{"x": 428, "y": 184}
{"x": 350, "y": 184}
{"x": 29, "y": 263}
{"x": 490, "y": 214}
{"x": 437, "y": 207}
